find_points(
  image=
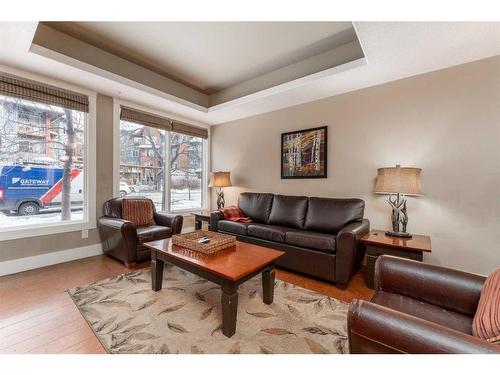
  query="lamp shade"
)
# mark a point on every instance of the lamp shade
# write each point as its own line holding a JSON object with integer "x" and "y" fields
{"x": 220, "y": 179}
{"x": 394, "y": 180}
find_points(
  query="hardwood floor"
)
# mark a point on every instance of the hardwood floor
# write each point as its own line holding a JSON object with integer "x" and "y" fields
{"x": 38, "y": 316}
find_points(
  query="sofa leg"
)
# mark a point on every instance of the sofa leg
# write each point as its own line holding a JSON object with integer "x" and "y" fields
{"x": 342, "y": 286}
{"x": 130, "y": 265}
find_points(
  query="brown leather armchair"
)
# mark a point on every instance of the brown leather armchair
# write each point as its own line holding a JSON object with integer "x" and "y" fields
{"x": 417, "y": 308}
{"x": 122, "y": 240}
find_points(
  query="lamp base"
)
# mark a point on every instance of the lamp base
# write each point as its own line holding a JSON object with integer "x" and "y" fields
{"x": 398, "y": 234}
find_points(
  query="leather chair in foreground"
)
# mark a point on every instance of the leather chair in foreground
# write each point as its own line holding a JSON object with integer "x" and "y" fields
{"x": 417, "y": 308}
{"x": 122, "y": 240}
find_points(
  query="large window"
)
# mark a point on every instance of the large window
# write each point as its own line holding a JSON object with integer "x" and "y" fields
{"x": 42, "y": 163}
{"x": 161, "y": 164}
{"x": 186, "y": 172}
{"x": 142, "y": 160}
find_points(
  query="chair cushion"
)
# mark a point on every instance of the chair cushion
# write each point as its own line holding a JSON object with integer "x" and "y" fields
{"x": 329, "y": 215}
{"x": 486, "y": 322}
{"x": 268, "y": 232}
{"x": 424, "y": 310}
{"x": 311, "y": 240}
{"x": 153, "y": 233}
{"x": 288, "y": 211}
{"x": 257, "y": 206}
{"x": 233, "y": 227}
{"x": 138, "y": 211}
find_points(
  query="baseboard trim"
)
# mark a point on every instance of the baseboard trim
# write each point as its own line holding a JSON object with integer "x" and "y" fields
{"x": 9, "y": 267}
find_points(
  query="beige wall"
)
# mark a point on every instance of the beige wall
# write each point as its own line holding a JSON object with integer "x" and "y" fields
{"x": 31, "y": 246}
{"x": 446, "y": 122}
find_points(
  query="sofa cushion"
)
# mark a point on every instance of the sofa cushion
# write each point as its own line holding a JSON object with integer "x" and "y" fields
{"x": 486, "y": 323}
{"x": 288, "y": 211}
{"x": 329, "y": 215}
{"x": 153, "y": 233}
{"x": 424, "y": 310}
{"x": 268, "y": 232}
{"x": 311, "y": 240}
{"x": 233, "y": 227}
{"x": 257, "y": 206}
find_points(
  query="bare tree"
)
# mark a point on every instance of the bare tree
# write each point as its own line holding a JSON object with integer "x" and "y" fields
{"x": 69, "y": 148}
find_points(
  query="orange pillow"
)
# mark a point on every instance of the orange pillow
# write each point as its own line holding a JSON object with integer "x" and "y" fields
{"x": 486, "y": 323}
{"x": 138, "y": 211}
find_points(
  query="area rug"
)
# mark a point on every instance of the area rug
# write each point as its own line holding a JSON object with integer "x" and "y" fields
{"x": 185, "y": 317}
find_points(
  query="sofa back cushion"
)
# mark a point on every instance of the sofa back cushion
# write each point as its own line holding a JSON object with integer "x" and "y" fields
{"x": 329, "y": 215}
{"x": 288, "y": 211}
{"x": 257, "y": 206}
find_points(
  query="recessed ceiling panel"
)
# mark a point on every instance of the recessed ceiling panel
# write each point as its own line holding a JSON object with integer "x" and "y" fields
{"x": 212, "y": 56}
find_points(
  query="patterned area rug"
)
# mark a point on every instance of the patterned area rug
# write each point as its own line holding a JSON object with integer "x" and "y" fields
{"x": 185, "y": 317}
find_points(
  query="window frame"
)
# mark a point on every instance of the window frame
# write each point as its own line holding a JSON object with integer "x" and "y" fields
{"x": 89, "y": 211}
{"x": 205, "y": 197}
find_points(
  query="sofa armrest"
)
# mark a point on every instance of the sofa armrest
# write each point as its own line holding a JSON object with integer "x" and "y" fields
{"x": 377, "y": 329}
{"x": 172, "y": 221}
{"x": 215, "y": 216}
{"x": 348, "y": 254}
{"x": 450, "y": 289}
{"x": 119, "y": 238}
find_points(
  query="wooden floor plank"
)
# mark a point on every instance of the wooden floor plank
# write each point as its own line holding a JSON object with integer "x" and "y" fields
{"x": 38, "y": 316}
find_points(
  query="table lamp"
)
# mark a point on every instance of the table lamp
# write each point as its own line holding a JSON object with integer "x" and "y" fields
{"x": 398, "y": 182}
{"x": 220, "y": 180}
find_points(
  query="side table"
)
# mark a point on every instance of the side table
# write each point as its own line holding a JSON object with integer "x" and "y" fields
{"x": 378, "y": 243}
{"x": 199, "y": 217}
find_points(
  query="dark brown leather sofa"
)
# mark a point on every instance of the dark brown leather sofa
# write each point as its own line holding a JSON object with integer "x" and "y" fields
{"x": 319, "y": 235}
{"x": 417, "y": 308}
{"x": 122, "y": 240}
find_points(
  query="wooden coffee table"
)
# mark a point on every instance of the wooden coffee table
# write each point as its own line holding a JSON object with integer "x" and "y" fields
{"x": 228, "y": 268}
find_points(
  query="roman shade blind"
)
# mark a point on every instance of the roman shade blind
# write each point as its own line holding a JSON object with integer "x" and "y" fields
{"x": 39, "y": 92}
{"x": 191, "y": 130}
{"x": 144, "y": 118}
{"x": 149, "y": 119}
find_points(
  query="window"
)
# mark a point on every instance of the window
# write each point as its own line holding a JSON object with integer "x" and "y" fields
{"x": 141, "y": 174}
{"x": 160, "y": 163}
{"x": 186, "y": 172}
{"x": 42, "y": 163}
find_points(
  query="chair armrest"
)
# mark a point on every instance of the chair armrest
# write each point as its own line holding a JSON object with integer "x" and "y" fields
{"x": 450, "y": 289}
{"x": 119, "y": 238}
{"x": 377, "y": 329}
{"x": 169, "y": 220}
{"x": 348, "y": 254}
{"x": 215, "y": 216}
{"x": 114, "y": 223}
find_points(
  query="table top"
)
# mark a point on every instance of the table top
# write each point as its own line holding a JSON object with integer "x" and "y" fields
{"x": 203, "y": 213}
{"x": 232, "y": 263}
{"x": 416, "y": 242}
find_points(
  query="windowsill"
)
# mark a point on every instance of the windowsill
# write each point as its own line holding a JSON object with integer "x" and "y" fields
{"x": 14, "y": 233}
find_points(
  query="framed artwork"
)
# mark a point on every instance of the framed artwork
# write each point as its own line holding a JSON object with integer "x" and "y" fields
{"x": 303, "y": 153}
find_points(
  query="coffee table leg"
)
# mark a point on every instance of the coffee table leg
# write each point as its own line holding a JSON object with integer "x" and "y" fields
{"x": 268, "y": 277}
{"x": 229, "y": 300}
{"x": 156, "y": 273}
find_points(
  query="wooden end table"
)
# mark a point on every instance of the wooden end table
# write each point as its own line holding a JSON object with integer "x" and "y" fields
{"x": 378, "y": 243}
{"x": 199, "y": 217}
{"x": 228, "y": 268}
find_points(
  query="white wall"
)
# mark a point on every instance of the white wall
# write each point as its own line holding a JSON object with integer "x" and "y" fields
{"x": 446, "y": 122}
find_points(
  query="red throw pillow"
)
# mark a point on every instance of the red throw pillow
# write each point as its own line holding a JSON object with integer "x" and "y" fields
{"x": 138, "y": 211}
{"x": 486, "y": 323}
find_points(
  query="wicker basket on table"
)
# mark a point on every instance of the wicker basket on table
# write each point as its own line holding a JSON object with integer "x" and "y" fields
{"x": 218, "y": 241}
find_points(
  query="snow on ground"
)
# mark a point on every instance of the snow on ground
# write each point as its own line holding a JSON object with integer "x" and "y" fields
{"x": 44, "y": 217}
{"x": 180, "y": 199}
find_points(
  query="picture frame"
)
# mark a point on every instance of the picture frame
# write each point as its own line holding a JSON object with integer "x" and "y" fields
{"x": 304, "y": 153}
